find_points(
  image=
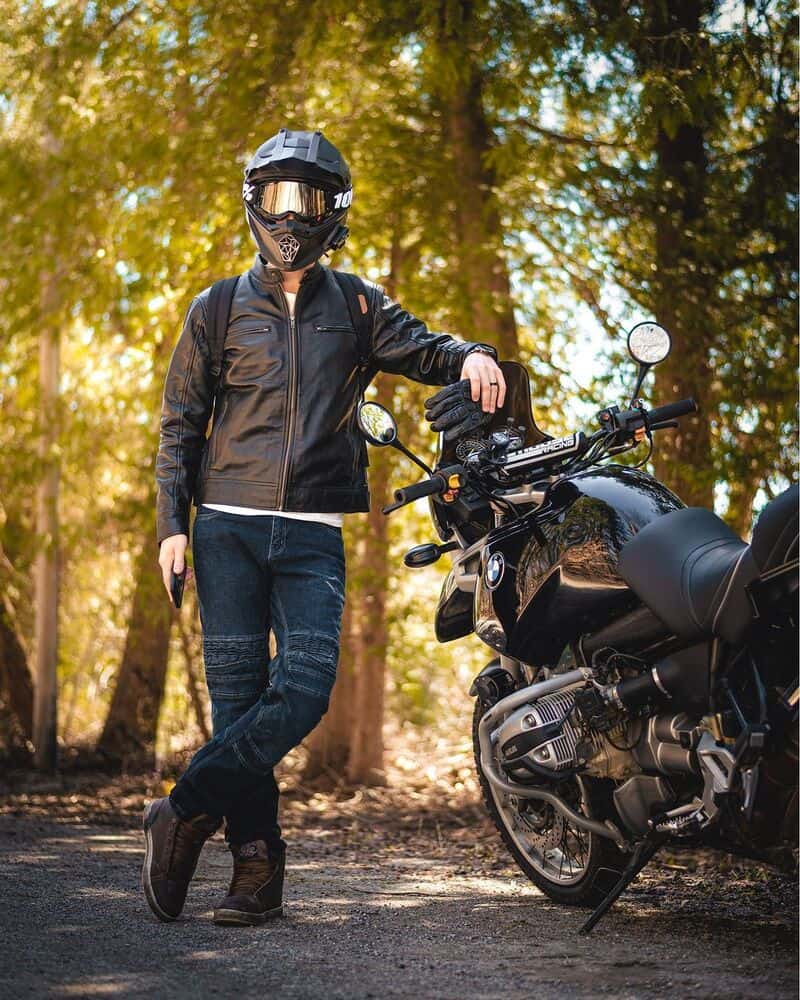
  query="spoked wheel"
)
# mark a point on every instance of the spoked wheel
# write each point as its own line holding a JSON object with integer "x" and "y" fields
{"x": 568, "y": 864}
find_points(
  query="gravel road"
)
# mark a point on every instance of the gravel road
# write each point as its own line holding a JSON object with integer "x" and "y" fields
{"x": 426, "y": 910}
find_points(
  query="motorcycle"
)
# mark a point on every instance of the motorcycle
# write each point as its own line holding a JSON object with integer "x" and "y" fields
{"x": 644, "y": 689}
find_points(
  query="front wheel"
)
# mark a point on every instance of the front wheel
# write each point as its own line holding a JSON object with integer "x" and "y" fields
{"x": 568, "y": 864}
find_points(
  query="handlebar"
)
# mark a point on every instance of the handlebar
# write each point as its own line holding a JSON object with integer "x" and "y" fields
{"x": 440, "y": 482}
{"x": 428, "y": 487}
{"x": 671, "y": 411}
{"x": 561, "y": 453}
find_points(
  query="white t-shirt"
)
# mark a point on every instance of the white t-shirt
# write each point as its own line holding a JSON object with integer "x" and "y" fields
{"x": 335, "y": 520}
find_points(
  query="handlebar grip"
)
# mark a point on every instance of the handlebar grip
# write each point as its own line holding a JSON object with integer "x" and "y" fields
{"x": 670, "y": 411}
{"x": 427, "y": 488}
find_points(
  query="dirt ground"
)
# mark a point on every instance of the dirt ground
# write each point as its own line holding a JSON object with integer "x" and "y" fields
{"x": 387, "y": 896}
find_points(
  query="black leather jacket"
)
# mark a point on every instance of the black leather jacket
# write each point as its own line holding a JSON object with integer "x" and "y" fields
{"x": 285, "y": 437}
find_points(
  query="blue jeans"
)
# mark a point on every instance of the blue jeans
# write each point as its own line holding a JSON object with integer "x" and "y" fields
{"x": 255, "y": 572}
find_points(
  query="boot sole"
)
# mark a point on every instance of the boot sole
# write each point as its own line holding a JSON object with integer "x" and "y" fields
{"x": 239, "y": 918}
{"x": 146, "y": 884}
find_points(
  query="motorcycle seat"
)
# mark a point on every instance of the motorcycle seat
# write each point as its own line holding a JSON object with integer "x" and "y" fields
{"x": 691, "y": 570}
{"x": 775, "y": 536}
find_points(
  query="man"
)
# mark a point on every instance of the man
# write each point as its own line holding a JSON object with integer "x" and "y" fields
{"x": 283, "y": 464}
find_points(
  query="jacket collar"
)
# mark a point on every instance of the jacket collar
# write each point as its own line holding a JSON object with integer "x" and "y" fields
{"x": 267, "y": 277}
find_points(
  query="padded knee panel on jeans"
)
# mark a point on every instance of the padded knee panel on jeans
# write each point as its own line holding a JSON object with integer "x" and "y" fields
{"x": 311, "y": 662}
{"x": 236, "y": 668}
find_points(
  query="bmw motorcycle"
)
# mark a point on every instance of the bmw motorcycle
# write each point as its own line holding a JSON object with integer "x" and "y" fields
{"x": 645, "y": 684}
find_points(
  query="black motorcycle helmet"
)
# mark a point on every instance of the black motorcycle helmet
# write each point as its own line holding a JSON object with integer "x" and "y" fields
{"x": 302, "y": 174}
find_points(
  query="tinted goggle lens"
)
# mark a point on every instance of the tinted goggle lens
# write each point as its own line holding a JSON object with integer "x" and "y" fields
{"x": 305, "y": 201}
{"x": 312, "y": 204}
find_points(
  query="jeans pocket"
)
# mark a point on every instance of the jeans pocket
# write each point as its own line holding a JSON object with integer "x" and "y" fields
{"x": 206, "y": 513}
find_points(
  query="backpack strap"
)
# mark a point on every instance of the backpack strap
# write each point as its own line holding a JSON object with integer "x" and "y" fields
{"x": 220, "y": 300}
{"x": 355, "y": 295}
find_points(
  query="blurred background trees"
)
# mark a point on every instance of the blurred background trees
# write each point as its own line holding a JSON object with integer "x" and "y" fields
{"x": 538, "y": 176}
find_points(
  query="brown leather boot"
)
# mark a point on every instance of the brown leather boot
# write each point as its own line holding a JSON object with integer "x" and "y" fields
{"x": 256, "y": 890}
{"x": 173, "y": 849}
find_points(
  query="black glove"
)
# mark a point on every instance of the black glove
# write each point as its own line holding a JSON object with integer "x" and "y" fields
{"x": 453, "y": 410}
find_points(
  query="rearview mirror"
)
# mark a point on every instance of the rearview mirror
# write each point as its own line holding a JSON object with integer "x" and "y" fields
{"x": 376, "y": 424}
{"x": 649, "y": 343}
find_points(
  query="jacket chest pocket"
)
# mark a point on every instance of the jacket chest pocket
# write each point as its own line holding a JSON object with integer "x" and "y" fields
{"x": 337, "y": 344}
{"x": 334, "y": 328}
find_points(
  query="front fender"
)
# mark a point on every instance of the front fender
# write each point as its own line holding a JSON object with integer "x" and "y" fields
{"x": 492, "y": 683}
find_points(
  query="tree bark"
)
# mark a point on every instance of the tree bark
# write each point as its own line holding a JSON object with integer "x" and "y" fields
{"x": 15, "y": 677}
{"x": 365, "y": 764}
{"x": 129, "y": 735}
{"x": 684, "y": 286}
{"x": 16, "y": 688}
{"x": 46, "y": 565}
{"x": 487, "y": 311}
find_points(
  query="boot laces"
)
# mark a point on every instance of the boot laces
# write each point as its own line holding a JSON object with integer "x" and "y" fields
{"x": 249, "y": 874}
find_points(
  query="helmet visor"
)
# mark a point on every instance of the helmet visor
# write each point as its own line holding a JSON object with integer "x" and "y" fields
{"x": 305, "y": 201}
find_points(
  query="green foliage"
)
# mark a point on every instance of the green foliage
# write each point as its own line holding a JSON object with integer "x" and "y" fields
{"x": 126, "y": 127}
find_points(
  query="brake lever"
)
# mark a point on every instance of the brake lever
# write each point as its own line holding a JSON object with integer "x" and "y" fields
{"x": 663, "y": 425}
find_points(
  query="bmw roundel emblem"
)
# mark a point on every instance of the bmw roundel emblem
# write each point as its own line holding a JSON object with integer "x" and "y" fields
{"x": 495, "y": 566}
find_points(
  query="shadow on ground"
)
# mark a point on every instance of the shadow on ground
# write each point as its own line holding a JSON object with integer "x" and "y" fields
{"x": 383, "y": 901}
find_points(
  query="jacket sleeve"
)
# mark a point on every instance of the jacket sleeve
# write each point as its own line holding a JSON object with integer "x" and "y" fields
{"x": 404, "y": 345}
{"x": 185, "y": 410}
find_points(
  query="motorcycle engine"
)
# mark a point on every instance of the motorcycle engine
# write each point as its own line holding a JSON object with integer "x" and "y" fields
{"x": 541, "y": 734}
{"x": 545, "y": 738}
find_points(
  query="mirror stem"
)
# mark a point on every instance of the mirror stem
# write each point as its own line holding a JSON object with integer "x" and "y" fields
{"x": 643, "y": 370}
{"x": 408, "y": 454}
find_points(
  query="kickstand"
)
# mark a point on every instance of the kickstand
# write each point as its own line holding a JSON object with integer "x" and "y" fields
{"x": 643, "y": 852}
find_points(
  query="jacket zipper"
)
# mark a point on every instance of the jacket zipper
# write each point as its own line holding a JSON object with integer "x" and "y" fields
{"x": 291, "y": 402}
{"x": 335, "y": 329}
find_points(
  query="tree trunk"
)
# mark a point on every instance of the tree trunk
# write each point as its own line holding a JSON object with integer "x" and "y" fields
{"x": 15, "y": 677}
{"x": 487, "y": 311}
{"x": 365, "y": 764}
{"x": 683, "y": 285}
{"x": 129, "y": 735}
{"x": 16, "y": 690}
{"x": 46, "y": 566}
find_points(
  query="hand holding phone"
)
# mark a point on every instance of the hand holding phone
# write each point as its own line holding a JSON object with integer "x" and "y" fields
{"x": 177, "y": 581}
{"x": 172, "y": 552}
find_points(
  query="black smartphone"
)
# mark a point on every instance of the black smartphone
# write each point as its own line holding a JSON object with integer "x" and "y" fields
{"x": 176, "y": 583}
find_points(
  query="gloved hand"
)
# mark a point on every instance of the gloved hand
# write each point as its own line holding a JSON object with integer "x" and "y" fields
{"x": 453, "y": 411}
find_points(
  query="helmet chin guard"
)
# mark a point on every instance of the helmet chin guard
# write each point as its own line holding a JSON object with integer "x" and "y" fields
{"x": 288, "y": 247}
{"x": 296, "y": 194}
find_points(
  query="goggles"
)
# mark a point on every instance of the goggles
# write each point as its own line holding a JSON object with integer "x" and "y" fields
{"x": 306, "y": 202}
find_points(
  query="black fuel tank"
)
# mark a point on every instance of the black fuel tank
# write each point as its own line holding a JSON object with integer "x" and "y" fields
{"x": 532, "y": 598}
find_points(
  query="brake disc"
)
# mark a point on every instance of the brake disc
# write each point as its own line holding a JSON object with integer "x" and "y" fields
{"x": 543, "y": 826}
